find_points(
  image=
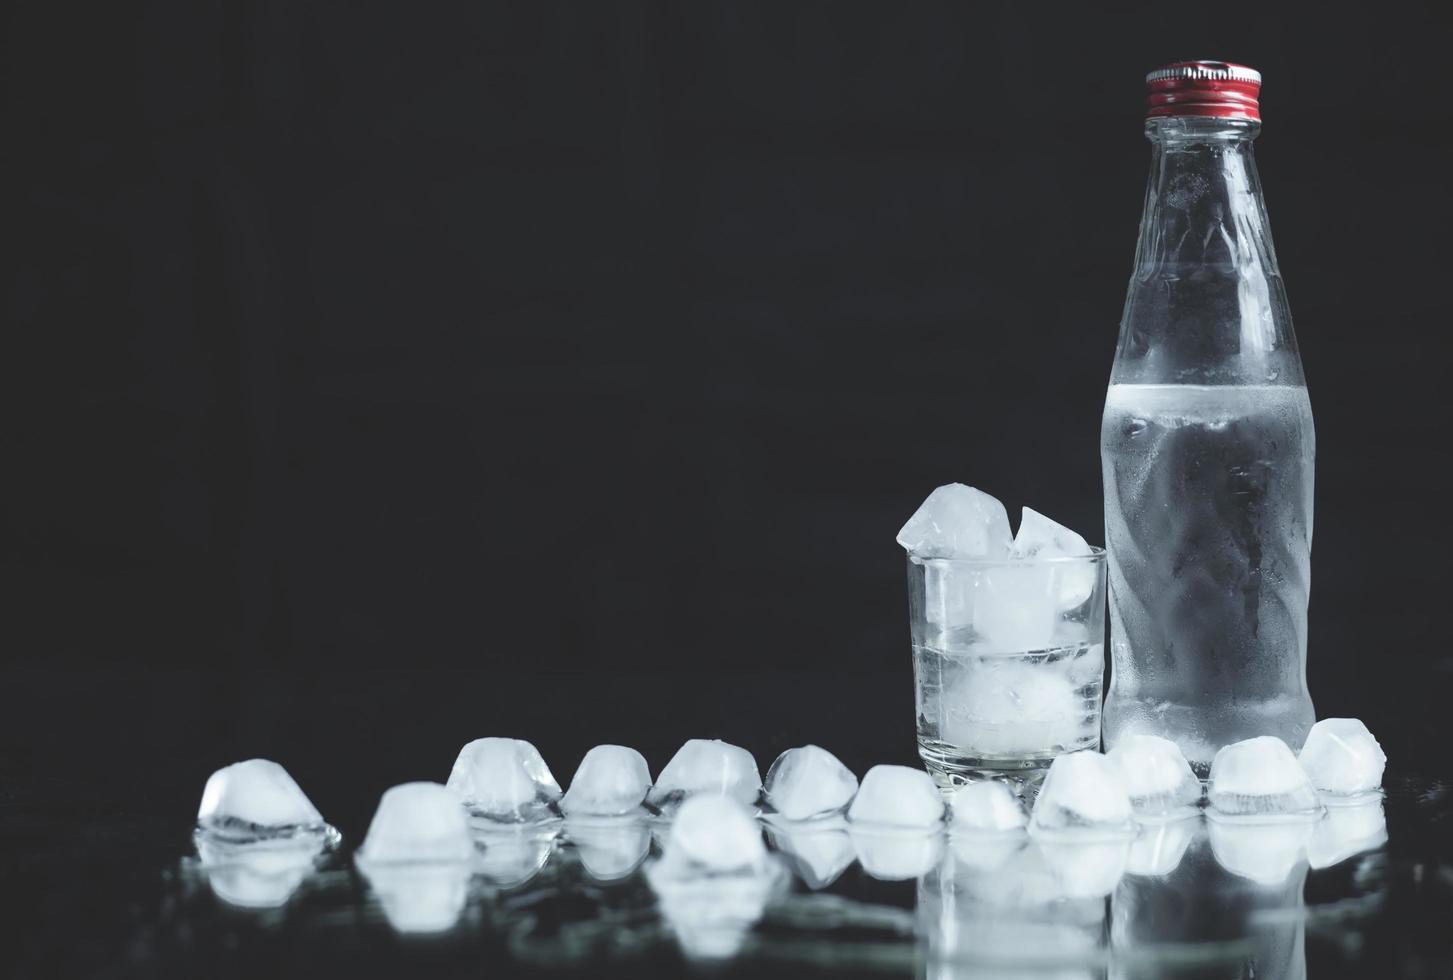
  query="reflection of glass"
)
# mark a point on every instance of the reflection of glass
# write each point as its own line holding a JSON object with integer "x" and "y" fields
{"x": 1012, "y": 913}
{"x": 1202, "y": 918}
{"x": 610, "y": 849}
{"x": 818, "y": 856}
{"x": 259, "y": 874}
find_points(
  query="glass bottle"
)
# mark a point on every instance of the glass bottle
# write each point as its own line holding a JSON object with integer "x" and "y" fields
{"x": 1207, "y": 443}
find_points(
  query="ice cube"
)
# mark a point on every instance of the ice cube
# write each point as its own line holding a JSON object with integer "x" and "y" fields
{"x": 256, "y": 799}
{"x": 948, "y": 596}
{"x": 511, "y": 856}
{"x": 715, "y": 834}
{"x": 1159, "y": 780}
{"x": 986, "y": 805}
{"x": 417, "y": 822}
{"x": 1266, "y": 853}
{"x": 1260, "y": 778}
{"x": 504, "y": 780}
{"x": 897, "y": 796}
{"x": 956, "y": 521}
{"x": 1040, "y": 537}
{"x": 1347, "y": 831}
{"x": 612, "y": 780}
{"x": 257, "y": 874}
{"x": 896, "y": 854}
{"x": 1158, "y": 848}
{"x": 1083, "y": 797}
{"x": 1007, "y": 707}
{"x": 1015, "y": 607}
{"x": 1342, "y": 759}
{"x": 609, "y": 851}
{"x": 818, "y": 852}
{"x": 707, "y": 766}
{"x": 808, "y": 782}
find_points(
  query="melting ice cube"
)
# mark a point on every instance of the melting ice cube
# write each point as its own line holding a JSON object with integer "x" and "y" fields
{"x": 1040, "y": 537}
{"x": 957, "y": 522}
{"x": 1083, "y": 797}
{"x": 1342, "y": 759}
{"x": 418, "y": 822}
{"x": 986, "y": 805}
{"x": 1157, "y": 776}
{"x": 808, "y": 782}
{"x": 610, "y": 781}
{"x": 256, "y": 799}
{"x": 504, "y": 780}
{"x": 707, "y": 766}
{"x": 1260, "y": 778}
{"x": 897, "y": 796}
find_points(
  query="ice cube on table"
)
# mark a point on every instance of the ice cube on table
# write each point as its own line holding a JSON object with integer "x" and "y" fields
{"x": 707, "y": 766}
{"x": 1342, "y": 759}
{"x": 1039, "y": 537}
{"x": 1259, "y": 778}
{"x": 1083, "y": 797}
{"x": 956, "y": 521}
{"x": 612, "y": 780}
{"x": 897, "y": 797}
{"x": 808, "y": 782}
{"x": 1004, "y": 707}
{"x": 504, "y": 780}
{"x": 1347, "y": 831}
{"x": 986, "y": 805}
{"x": 715, "y": 834}
{"x": 256, "y": 799}
{"x": 1157, "y": 777}
{"x": 418, "y": 822}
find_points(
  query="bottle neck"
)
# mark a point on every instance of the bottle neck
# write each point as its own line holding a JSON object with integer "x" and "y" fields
{"x": 1206, "y": 304}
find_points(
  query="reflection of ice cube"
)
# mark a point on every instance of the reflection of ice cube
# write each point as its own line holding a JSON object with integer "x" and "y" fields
{"x": 1266, "y": 853}
{"x": 609, "y": 849}
{"x": 418, "y": 822}
{"x": 1342, "y": 758}
{"x": 1157, "y": 776}
{"x": 986, "y": 804}
{"x": 711, "y": 915}
{"x": 1083, "y": 796}
{"x": 808, "y": 782}
{"x": 707, "y": 766}
{"x": 611, "y": 780}
{"x": 896, "y": 854}
{"x": 256, "y": 799}
{"x": 419, "y": 898}
{"x": 1260, "y": 778}
{"x": 1158, "y": 848}
{"x": 818, "y": 854}
{"x": 1003, "y": 707}
{"x": 1346, "y": 831}
{"x": 1040, "y": 537}
{"x": 956, "y": 521}
{"x": 257, "y": 874}
{"x": 504, "y": 780}
{"x": 1086, "y": 869}
{"x": 1015, "y": 608}
{"x": 897, "y": 796}
{"x": 985, "y": 850}
{"x": 511, "y": 856}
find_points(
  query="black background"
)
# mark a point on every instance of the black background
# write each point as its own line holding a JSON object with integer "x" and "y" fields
{"x": 440, "y": 351}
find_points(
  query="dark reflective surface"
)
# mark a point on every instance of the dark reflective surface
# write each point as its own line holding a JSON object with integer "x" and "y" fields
{"x": 111, "y": 884}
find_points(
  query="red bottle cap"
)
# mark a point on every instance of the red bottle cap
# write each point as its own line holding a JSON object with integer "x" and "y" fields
{"x": 1204, "y": 88}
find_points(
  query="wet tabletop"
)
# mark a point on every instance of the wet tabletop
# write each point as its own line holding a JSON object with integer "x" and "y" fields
{"x": 103, "y": 878}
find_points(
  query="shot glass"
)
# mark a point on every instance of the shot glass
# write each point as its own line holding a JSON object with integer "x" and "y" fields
{"x": 1008, "y": 661}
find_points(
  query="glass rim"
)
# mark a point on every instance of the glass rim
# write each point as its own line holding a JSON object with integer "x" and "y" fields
{"x": 1095, "y": 557}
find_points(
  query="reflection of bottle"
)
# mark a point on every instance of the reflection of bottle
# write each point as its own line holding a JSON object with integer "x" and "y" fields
{"x": 1207, "y": 443}
{"x": 1202, "y": 919}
